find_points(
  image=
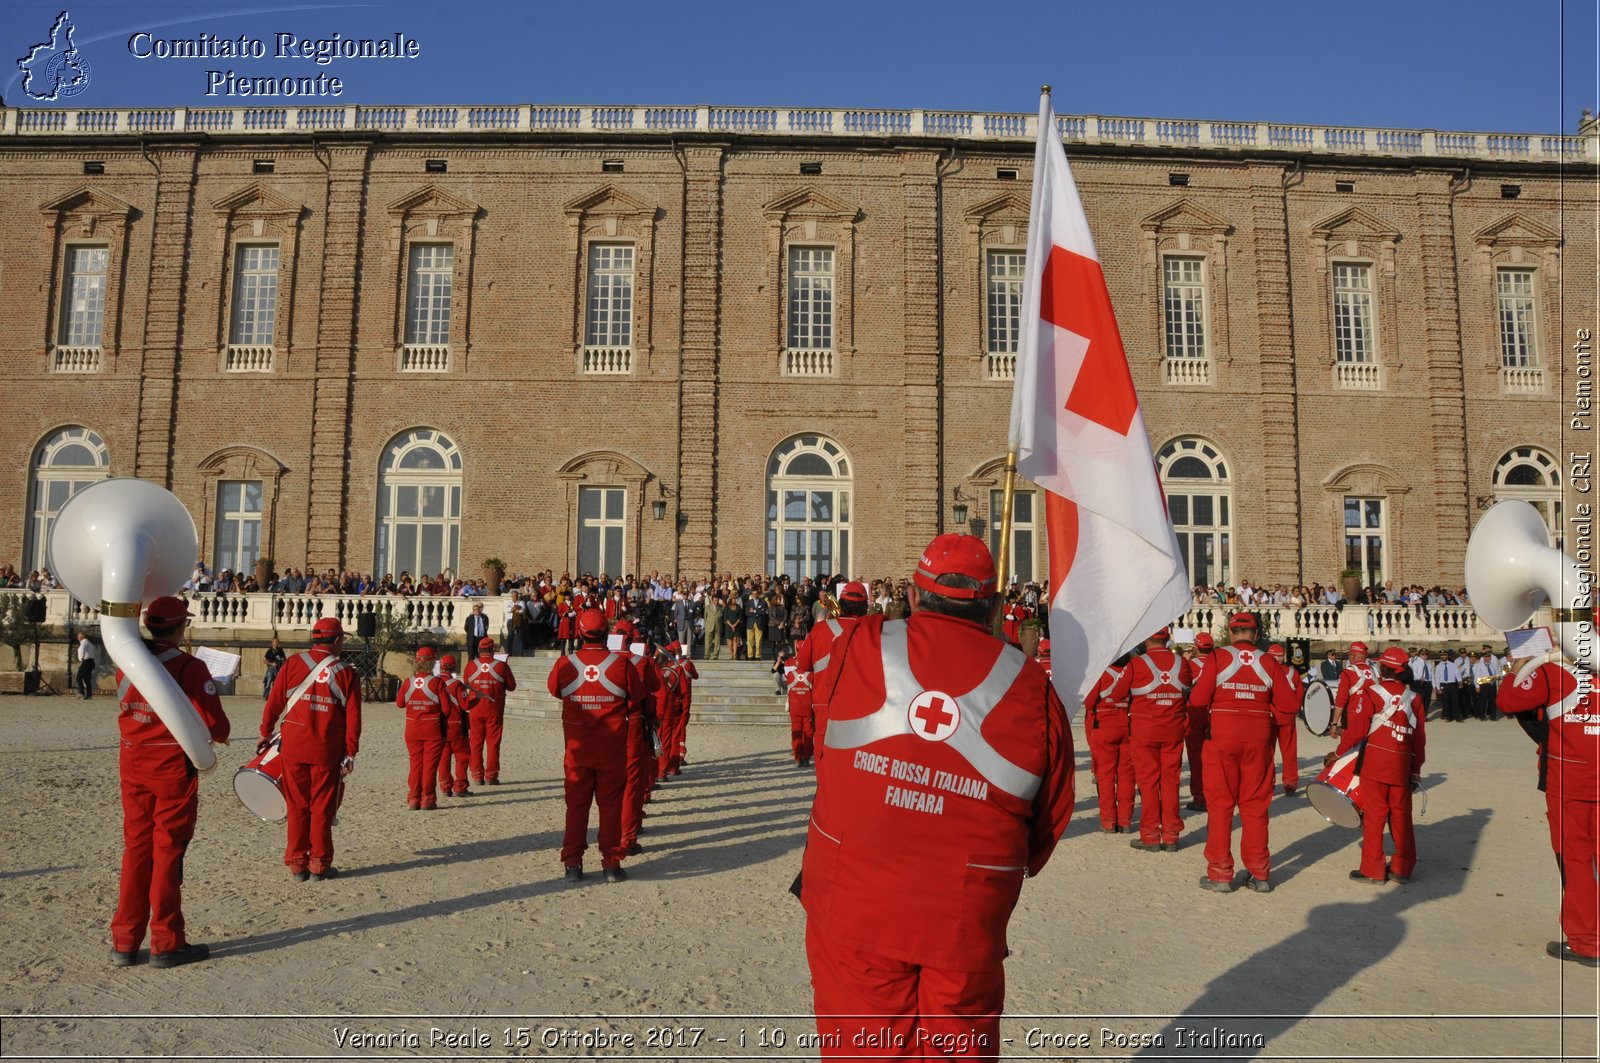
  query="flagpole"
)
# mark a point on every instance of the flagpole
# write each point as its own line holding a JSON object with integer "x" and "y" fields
{"x": 1003, "y": 562}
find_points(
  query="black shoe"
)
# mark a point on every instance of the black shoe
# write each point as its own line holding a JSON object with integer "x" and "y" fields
{"x": 616, "y": 874}
{"x": 464, "y": 793}
{"x": 180, "y": 956}
{"x": 302, "y": 875}
{"x": 1196, "y": 806}
{"x": 1357, "y": 876}
{"x": 1260, "y": 885}
{"x": 325, "y": 873}
{"x": 1144, "y": 846}
{"x": 1289, "y": 791}
{"x": 1402, "y": 879}
{"x": 1209, "y": 883}
{"x": 1562, "y": 951}
{"x": 494, "y": 782}
{"x": 1110, "y": 830}
{"x": 124, "y": 959}
{"x": 635, "y": 849}
{"x": 574, "y": 874}
{"x": 1169, "y": 847}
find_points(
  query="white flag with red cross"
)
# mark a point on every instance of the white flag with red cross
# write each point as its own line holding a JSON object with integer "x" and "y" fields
{"x": 1116, "y": 573}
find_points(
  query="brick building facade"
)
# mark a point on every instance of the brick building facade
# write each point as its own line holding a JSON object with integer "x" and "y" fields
{"x": 686, "y": 339}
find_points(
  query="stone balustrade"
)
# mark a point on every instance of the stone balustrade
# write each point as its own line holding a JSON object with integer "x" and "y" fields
{"x": 287, "y": 615}
{"x": 801, "y": 121}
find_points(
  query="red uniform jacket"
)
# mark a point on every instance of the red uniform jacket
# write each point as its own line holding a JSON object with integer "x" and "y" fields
{"x": 598, "y": 690}
{"x": 1352, "y": 681}
{"x": 459, "y": 699}
{"x": 1395, "y": 747}
{"x": 323, "y": 725}
{"x": 1154, "y": 686}
{"x": 490, "y": 680}
{"x": 814, "y": 656}
{"x": 1570, "y": 706}
{"x": 1104, "y": 715}
{"x": 1247, "y": 693}
{"x": 146, "y": 743}
{"x": 423, "y": 697}
{"x": 947, "y": 778}
{"x": 651, "y": 683}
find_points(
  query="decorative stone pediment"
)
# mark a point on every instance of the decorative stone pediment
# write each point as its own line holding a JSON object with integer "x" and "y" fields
{"x": 1353, "y": 233}
{"x": 808, "y": 202}
{"x": 1006, "y": 207}
{"x": 82, "y": 211}
{"x": 608, "y": 200}
{"x": 604, "y": 467}
{"x": 432, "y": 201}
{"x": 1185, "y": 216}
{"x": 1517, "y": 230}
{"x": 256, "y": 200}
{"x": 1365, "y": 478}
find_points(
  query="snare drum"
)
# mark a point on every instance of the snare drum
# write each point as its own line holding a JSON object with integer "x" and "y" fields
{"x": 1333, "y": 794}
{"x": 1316, "y": 708}
{"x": 259, "y": 785}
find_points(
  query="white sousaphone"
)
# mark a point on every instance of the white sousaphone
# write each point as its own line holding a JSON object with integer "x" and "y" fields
{"x": 121, "y": 544}
{"x": 1512, "y": 570}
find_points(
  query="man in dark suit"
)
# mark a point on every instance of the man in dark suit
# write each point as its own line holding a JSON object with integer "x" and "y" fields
{"x": 477, "y": 628}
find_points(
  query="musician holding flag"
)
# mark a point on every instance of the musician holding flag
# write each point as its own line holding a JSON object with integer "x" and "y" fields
{"x": 319, "y": 700}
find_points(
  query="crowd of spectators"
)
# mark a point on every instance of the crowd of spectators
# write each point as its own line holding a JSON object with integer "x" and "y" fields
{"x": 1248, "y": 594}
{"x": 39, "y": 579}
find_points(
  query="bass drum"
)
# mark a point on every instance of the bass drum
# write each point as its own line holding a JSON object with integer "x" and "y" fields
{"x": 259, "y": 785}
{"x": 1333, "y": 794}
{"x": 1316, "y": 708}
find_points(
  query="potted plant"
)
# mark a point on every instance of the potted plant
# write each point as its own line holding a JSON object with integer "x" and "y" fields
{"x": 1350, "y": 578}
{"x": 1029, "y": 633}
{"x": 494, "y": 571}
{"x": 264, "y": 574}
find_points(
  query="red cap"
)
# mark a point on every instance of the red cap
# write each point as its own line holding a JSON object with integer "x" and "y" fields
{"x": 1203, "y": 641}
{"x": 674, "y": 646}
{"x": 1164, "y": 635}
{"x": 1393, "y": 657}
{"x": 854, "y": 591}
{"x": 1044, "y": 646}
{"x": 624, "y": 628}
{"x": 167, "y": 610}
{"x": 424, "y": 653}
{"x": 591, "y": 622}
{"x": 1277, "y": 650}
{"x": 1359, "y": 647}
{"x": 448, "y": 662}
{"x": 953, "y": 553}
{"x": 1242, "y": 620}
{"x": 327, "y": 628}
{"x": 486, "y": 643}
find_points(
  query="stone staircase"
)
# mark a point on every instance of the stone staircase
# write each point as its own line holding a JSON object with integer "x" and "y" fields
{"x": 726, "y": 692}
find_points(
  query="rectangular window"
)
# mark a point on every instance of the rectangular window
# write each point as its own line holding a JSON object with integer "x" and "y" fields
{"x": 1353, "y": 337}
{"x": 610, "y": 317}
{"x": 1004, "y": 289}
{"x": 83, "y": 310}
{"x": 428, "y": 289}
{"x": 811, "y": 298}
{"x": 1518, "y": 343}
{"x": 1364, "y": 535}
{"x": 255, "y": 296}
{"x": 1184, "y": 300}
{"x": 238, "y": 539}
{"x": 600, "y": 529}
{"x": 1022, "y": 561}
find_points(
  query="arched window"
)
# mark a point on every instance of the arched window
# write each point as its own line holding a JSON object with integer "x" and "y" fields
{"x": 1200, "y": 501}
{"x": 1533, "y": 476}
{"x": 419, "y": 505}
{"x": 64, "y": 464}
{"x": 808, "y": 508}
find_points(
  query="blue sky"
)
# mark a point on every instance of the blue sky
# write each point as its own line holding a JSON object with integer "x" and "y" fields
{"x": 1464, "y": 65}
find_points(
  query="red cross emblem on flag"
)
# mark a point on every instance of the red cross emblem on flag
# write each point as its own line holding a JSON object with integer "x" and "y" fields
{"x": 934, "y": 715}
{"x": 590, "y": 674}
{"x": 1075, "y": 298}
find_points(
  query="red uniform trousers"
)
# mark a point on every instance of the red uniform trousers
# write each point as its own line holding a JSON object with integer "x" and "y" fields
{"x": 312, "y": 793}
{"x": 602, "y": 780}
{"x": 1111, "y": 758}
{"x": 1194, "y": 744}
{"x": 1386, "y": 804}
{"x": 641, "y": 777}
{"x": 455, "y": 746}
{"x": 1575, "y": 834}
{"x": 485, "y": 727}
{"x": 159, "y": 802}
{"x": 425, "y": 745}
{"x": 802, "y": 728}
{"x": 870, "y": 1005}
{"x": 680, "y": 737}
{"x": 1239, "y": 773}
{"x": 1157, "y": 765}
{"x": 1289, "y": 751}
{"x": 670, "y": 761}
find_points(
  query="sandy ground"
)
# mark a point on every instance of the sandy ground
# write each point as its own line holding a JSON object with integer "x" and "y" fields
{"x": 451, "y": 935}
